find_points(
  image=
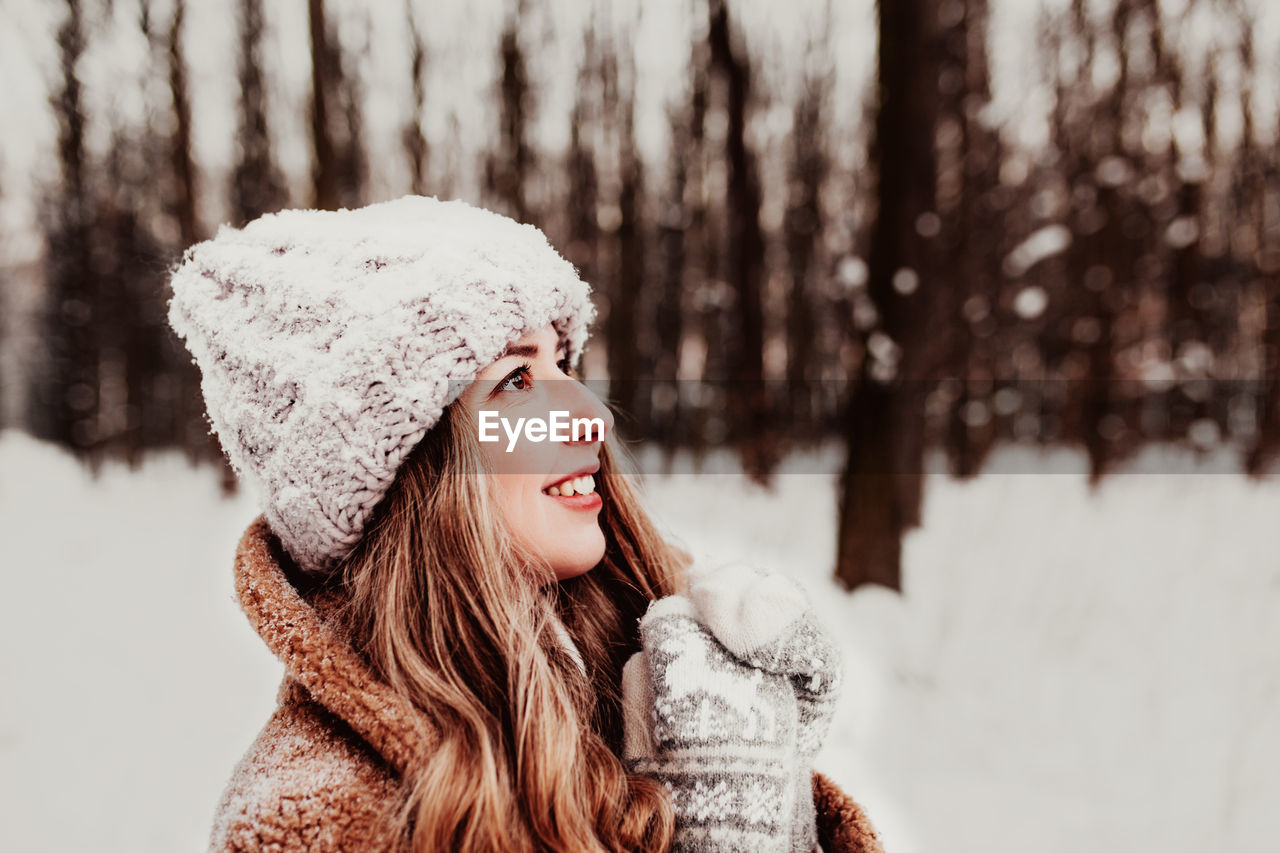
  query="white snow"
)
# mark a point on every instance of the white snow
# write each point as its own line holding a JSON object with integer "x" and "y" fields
{"x": 1045, "y": 243}
{"x": 131, "y": 681}
{"x": 1066, "y": 670}
{"x": 1031, "y": 302}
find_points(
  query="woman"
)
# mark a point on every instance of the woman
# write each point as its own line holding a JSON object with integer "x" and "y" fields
{"x": 455, "y": 613}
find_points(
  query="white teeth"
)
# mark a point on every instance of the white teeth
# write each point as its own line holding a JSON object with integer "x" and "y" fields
{"x": 573, "y": 486}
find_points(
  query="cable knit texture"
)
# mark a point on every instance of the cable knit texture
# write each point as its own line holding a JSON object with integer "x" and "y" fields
{"x": 721, "y": 738}
{"x": 329, "y": 761}
{"x": 329, "y": 342}
{"x": 764, "y": 620}
{"x": 728, "y": 703}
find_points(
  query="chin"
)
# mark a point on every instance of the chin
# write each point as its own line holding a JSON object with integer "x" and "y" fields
{"x": 571, "y": 555}
{"x": 576, "y": 571}
{"x": 578, "y": 561}
{"x": 572, "y": 568}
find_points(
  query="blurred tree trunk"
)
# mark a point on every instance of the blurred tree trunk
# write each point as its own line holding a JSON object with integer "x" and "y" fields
{"x": 138, "y": 359}
{"x": 751, "y": 427}
{"x": 324, "y": 174}
{"x": 510, "y": 166}
{"x": 881, "y": 484}
{"x": 257, "y": 187}
{"x": 186, "y": 188}
{"x": 415, "y": 142}
{"x": 673, "y": 224}
{"x": 353, "y": 161}
{"x": 973, "y": 246}
{"x": 628, "y": 384}
{"x": 1264, "y": 213}
{"x": 64, "y": 395}
{"x": 340, "y": 170}
{"x": 1103, "y": 256}
{"x": 1265, "y": 448}
{"x": 1246, "y": 202}
{"x": 583, "y": 221}
{"x": 803, "y": 225}
{"x": 182, "y": 203}
{"x": 1184, "y": 326}
{"x": 700, "y": 246}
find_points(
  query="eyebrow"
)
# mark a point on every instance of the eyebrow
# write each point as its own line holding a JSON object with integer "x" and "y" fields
{"x": 528, "y": 350}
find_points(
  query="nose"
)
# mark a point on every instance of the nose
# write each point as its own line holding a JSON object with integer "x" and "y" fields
{"x": 582, "y": 402}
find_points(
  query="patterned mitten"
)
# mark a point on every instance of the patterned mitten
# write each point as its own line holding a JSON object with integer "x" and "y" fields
{"x": 764, "y": 619}
{"x": 720, "y": 734}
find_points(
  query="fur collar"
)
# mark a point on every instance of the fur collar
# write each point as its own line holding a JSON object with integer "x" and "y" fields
{"x": 295, "y": 621}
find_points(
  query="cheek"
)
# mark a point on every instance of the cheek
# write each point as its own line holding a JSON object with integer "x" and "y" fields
{"x": 518, "y": 475}
{"x": 521, "y": 501}
{"x": 527, "y": 458}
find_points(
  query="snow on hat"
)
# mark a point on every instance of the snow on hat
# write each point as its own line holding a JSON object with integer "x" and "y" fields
{"x": 329, "y": 342}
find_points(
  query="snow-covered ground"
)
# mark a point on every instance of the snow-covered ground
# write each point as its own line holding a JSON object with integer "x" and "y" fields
{"x": 1065, "y": 671}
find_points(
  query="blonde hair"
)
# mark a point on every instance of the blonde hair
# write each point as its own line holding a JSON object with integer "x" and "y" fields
{"x": 442, "y": 605}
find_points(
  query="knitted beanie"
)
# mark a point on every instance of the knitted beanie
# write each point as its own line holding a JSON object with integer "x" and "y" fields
{"x": 329, "y": 342}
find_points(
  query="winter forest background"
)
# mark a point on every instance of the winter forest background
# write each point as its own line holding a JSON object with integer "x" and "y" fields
{"x": 913, "y": 245}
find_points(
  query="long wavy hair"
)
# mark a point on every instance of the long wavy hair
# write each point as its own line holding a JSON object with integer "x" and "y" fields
{"x": 441, "y": 601}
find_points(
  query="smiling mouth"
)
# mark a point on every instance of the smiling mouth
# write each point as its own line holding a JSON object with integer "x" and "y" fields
{"x": 567, "y": 488}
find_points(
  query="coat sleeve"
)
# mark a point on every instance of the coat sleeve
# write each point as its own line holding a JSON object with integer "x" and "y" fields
{"x": 319, "y": 821}
{"x": 303, "y": 787}
{"x": 843, "y": 827}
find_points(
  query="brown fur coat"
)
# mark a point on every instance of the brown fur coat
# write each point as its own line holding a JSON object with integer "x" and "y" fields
{"x": 329, "y": 759}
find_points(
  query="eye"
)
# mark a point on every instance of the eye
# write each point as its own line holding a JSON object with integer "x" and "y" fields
{"x": 521, "y": 373}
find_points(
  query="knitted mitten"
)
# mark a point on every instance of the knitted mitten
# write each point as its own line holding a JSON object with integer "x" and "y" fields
{"x": 720, "y": 734}
{"x": 764, "y": 620}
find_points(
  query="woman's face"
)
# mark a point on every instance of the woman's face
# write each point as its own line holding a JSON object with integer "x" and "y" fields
{"x": 543, "y": 476}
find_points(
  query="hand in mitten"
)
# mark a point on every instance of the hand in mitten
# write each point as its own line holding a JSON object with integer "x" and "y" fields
{"x": 765, "y": 620}
{"x": 719, "y": 733}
